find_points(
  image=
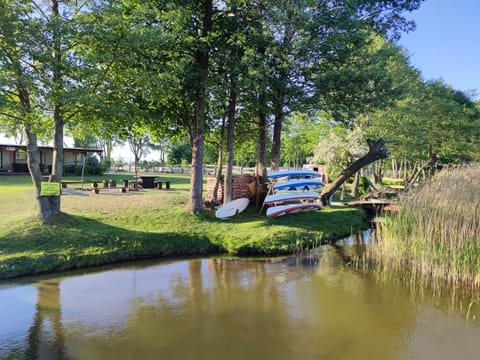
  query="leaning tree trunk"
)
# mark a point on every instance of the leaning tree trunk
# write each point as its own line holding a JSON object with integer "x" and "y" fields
{"x": 376, "y": 151}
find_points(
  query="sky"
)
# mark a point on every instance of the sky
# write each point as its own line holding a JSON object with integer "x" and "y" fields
{"x": 446, "y": 43}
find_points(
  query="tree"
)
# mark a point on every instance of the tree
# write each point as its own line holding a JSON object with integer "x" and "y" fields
{"x": 137, "y": 139}
{"x": 41, "y": 71}
{"x": 173, "y": 53}
{"x": 391, "y": 77}
{"x": 431, "y": 125}
{"x": 169, "y": 49}
{"x": 319, "y": 48}
{"x": 179, "y": 152}
{"x": 300, "y": 136}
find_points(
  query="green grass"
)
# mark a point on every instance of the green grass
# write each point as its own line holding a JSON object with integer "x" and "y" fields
{"x": 392, "y": 182}
{"x": 107, "y": 228}
{"x": 436, "y": 233}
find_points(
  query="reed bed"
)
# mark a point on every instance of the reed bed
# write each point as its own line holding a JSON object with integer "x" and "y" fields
{"x": 435, "y": 235}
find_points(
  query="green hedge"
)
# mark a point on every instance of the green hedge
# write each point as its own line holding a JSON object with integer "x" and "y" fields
{"x": 89, "y": 170}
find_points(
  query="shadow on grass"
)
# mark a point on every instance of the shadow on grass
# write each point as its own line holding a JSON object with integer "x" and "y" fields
{"x": 72, "y": 242}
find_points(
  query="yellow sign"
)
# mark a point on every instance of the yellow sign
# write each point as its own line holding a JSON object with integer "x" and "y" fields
{"x": 50, "y": 189}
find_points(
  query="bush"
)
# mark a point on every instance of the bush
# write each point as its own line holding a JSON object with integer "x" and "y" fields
{"x": 89, "y": 170}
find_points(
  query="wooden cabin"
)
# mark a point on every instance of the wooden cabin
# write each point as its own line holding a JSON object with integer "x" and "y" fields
{"x": 13, "y": 158}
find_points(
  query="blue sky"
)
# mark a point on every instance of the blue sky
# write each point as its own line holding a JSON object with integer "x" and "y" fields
{"x": 446, "y": 42}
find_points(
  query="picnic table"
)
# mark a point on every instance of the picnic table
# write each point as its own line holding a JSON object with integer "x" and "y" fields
{"x": 148, "y": 182}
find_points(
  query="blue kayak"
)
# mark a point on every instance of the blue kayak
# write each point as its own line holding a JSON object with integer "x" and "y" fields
{"x": 302, "y": 184}
{"x": 293, "y": 173}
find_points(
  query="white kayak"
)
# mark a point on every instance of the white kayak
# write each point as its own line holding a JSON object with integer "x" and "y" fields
{"x": 232, "y": 208}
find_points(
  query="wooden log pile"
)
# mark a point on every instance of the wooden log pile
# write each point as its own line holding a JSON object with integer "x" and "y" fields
{"x": 242, "y": 186}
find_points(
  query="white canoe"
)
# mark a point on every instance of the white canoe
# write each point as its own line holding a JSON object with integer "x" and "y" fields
{"x": 284, "y": 197}
{"x": 290, "y": 209}
{"x": 232, "y": 208}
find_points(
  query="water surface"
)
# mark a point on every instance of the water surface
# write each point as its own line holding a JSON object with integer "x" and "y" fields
{"x": 231, "y": 309}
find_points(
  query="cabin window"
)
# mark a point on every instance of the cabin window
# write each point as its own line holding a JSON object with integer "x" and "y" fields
{"x": 78, "y": 158}
{"x": 1, "y": 158}
{"x": 20, "y": 155}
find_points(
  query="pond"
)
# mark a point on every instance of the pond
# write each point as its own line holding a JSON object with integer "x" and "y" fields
{"x": 220, "y": 308}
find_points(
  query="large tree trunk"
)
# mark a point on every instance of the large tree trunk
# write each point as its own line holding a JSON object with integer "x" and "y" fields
{"x": 232, "y": 104}
{"x": 196, "y": 176}
{"x": 376, "y": 151}
{"x": 202, "y": 58}
{"x": 48, "y": 206}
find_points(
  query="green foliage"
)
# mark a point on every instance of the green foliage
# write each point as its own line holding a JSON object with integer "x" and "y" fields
{"x": 431, "y": 122}
{"x": 339, "y": 147}
{"x": 179, "y": 152}
{"x": 300, "y": 136}
{"x": 363, "y": 186}
{"x": 34, "y": 79}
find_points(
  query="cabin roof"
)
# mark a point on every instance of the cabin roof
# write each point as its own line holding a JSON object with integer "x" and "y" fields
{"x": 24, "y": 147}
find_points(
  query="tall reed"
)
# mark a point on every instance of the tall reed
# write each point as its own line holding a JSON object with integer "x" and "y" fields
{"x": 435, "y": 235}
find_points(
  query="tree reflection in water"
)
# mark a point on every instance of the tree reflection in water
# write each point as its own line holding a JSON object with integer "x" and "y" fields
{"x": 45, "y": 336}
{"x": 222, "y": 308}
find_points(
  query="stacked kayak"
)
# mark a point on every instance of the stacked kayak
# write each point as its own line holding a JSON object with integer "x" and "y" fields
{"x": 289, "y": 174}
{"x": 300, "y": 184}
{"x": 293, "y": 195}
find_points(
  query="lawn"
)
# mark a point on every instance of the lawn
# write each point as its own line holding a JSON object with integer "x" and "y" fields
{"x": 108, "y": 227}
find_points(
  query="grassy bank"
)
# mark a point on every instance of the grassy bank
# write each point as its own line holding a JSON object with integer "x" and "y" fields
{"x": 436, "y": 233}
{"x": 113, "y": 227}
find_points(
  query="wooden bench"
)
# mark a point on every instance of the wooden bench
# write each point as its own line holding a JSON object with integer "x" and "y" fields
{"x": 159, "y": 185}
{"x": 66, "y": 183}
{"x": 134, "y": 184}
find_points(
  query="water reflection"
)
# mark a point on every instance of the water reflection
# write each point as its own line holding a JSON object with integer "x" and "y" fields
{"x": 220, "y": 308}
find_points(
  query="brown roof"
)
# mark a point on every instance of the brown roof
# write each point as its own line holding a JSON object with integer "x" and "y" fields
{"x": 24, "y": 147}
